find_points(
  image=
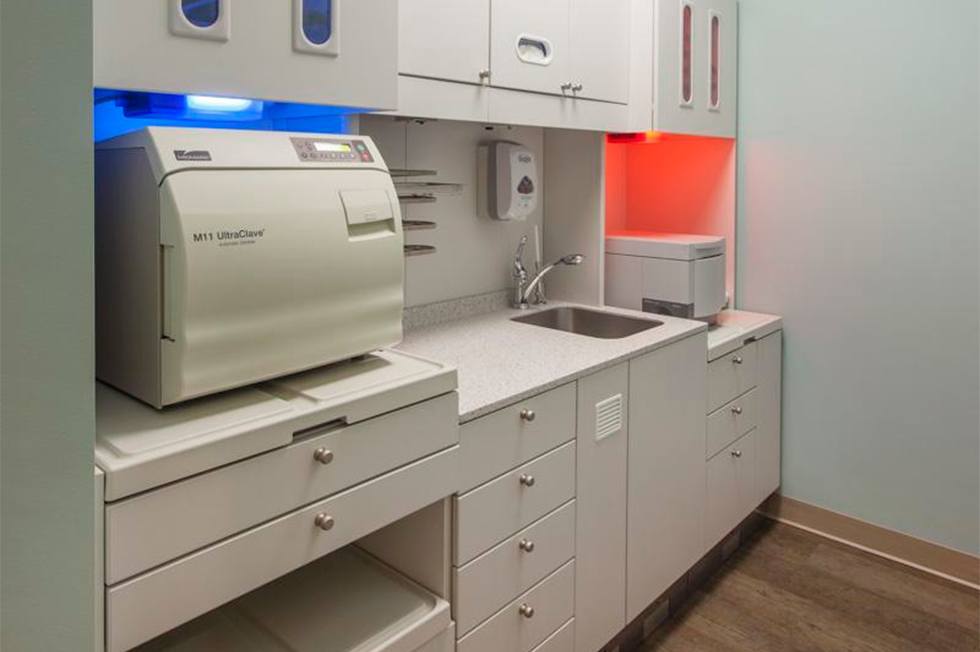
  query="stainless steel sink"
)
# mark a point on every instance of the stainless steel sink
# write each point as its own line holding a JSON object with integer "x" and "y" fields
{"x": 593, "y": 323}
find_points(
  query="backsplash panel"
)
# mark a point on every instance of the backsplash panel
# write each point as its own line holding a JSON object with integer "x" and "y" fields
{"x": 473, "y": 254}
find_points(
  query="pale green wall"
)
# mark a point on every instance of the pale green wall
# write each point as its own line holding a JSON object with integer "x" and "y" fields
{"x": 858, "y": 221}
{"x": 46, "y": 340}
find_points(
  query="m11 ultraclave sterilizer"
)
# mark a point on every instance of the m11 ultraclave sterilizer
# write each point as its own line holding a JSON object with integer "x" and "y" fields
{"x": 227, "y": 257}
{"x": 666, "y": 273}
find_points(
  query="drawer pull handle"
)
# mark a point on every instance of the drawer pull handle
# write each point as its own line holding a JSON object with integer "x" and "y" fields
{"x": 323, "y": 521}
{"x": 528, "y": 415}
{"x": 526, "y": 545}
{"x": 527, "y": 480}
{"x": 526, "y": 610}
{"x": 737, "y": 360}
{"x": 736, "y": 454}
{"x": 323, "y": 456}
{"x": 736, "y": 410}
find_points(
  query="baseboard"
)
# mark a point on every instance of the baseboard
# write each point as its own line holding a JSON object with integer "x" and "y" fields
{"x": 933, "y": 558}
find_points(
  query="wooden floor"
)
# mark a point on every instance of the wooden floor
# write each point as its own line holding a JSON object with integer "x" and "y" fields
{"x": 787, "y": 590}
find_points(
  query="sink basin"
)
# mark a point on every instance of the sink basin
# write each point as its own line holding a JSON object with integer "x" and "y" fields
{"x": 593, "y": 323}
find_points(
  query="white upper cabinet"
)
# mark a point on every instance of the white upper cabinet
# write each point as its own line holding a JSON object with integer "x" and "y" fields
{"x": 600, "y": 49}
{"x": 549, "y": 63}
{"x": 445, "y": 39}
{"x": 336, "y": 52}
{"x": 694, "y": 68}
{"x": 530, "y": 47}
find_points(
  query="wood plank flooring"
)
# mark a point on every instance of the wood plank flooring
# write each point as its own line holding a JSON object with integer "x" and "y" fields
{"x": 787, "y": 590}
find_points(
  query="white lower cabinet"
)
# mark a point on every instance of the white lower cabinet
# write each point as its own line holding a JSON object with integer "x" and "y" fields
{"x": 666, "y": 469}
{"x": 743, "y": 433}
{"x": 514, "y": 527}
{"x": 529, "y": 619}
{"x": 769, "y": 403}
{"x": 513, "y": 566}
{"x": 731, "y": 487}
{"x": 600, "y": 541}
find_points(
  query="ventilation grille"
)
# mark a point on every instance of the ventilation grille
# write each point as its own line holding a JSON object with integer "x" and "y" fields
{"x": 608, "y": 416}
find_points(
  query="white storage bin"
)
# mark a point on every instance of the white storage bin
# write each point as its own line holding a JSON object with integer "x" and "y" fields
{"x": 345, "y": 602}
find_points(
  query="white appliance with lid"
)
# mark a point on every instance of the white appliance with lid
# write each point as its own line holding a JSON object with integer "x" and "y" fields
{"x": 666, "y": 273}
{"x": 227, "y": 257}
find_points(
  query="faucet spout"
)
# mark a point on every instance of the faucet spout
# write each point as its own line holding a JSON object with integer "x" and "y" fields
{"x": 525, "y": 292}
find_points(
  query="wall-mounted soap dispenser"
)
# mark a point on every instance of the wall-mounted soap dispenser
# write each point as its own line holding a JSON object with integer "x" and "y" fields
{"x": 508, "y": 181}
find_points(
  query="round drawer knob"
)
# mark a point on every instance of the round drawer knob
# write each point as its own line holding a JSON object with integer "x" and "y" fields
{"x": 736, "y": 454}
{"x": 323, "y": 456}
{"x": 528, "y": 415}
{"x": 736, "y": 410}
{"x": 485, "y": 74}
{"x": 527, "y": 480}
{"x": 526, "y": 610}
{"x": 737, "y": 360}
{"x": 577, "y": 87}
{"x": 324, "y": 522}
{"x": 526, "y": 545}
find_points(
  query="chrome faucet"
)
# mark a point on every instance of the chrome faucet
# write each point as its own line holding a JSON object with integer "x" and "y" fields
{"x": 524, "y": 289}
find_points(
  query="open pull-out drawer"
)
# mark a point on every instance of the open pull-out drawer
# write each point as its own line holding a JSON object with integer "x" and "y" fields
{"x": 160, "y": 525}
{"x": 345, "y": 602}
{"x": 153, "y": 603}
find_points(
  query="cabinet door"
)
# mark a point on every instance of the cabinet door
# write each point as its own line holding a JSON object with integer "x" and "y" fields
{"x": 600, "y": 528}
{"x": 769, "y": 407}
{"x": 444, "y": 39}
{"x": 291, "y": 50}
{"x": 666, "y": 469}
{"x": 695, "y": 62}
{"x": 600, "y": 49}
{"x": 731, "y": 488}
{"x": 529, "y": 47}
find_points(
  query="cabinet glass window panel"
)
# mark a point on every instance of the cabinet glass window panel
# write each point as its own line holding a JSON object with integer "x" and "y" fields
{"x": 317, "y": 16}
{"x": 687, "y": 37}
{"x": 713, "y": 93}
{"x": 201, "y": 13}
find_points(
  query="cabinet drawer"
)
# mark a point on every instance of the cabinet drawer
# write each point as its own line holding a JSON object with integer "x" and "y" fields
{"x": 511, "y": 567}
{"x": 731, "y": 376}
{"x": 731, "y": 421}
{"x": 150, "y": 604}
{"x": 509, "y": 437}
{"x": 553, "y": 601}
{"x": 731, "y": 488}
{"x": 561, "y": 641}
{"x": 516, "y": 499}
{"x": 155, "y": 527}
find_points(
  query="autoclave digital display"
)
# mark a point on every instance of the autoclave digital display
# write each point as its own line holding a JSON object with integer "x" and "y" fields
{"x": 322, "y": 146}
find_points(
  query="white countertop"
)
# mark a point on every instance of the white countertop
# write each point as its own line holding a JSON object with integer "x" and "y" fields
{"x": 735, "y": 327}
{"x": 500, "y": 362}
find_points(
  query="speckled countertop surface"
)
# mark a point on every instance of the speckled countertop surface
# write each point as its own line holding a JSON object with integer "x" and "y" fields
{"x": 500, "y": 361}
